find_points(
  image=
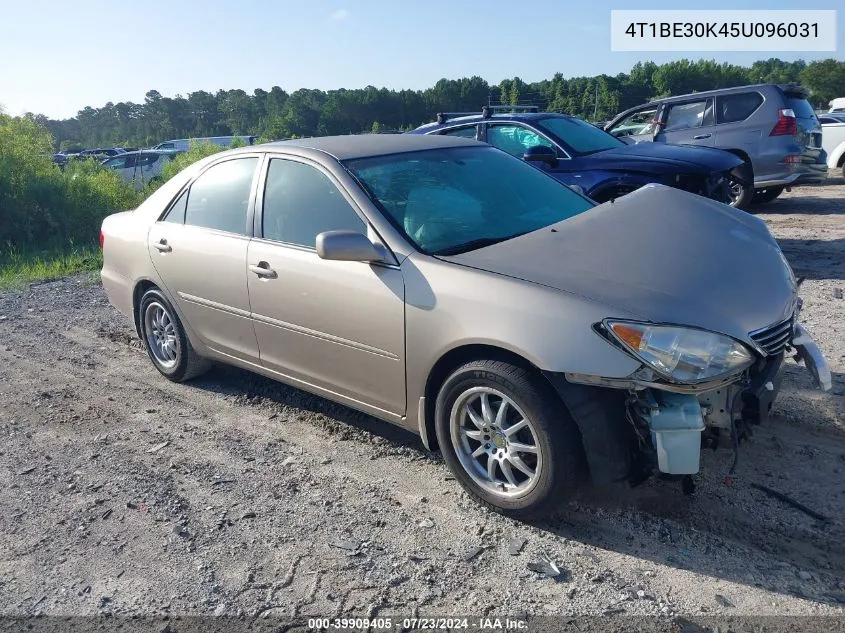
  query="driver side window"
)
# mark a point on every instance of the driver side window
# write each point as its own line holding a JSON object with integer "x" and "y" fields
{"x": 515, "y": 139}
{"x": 301, "y": 202}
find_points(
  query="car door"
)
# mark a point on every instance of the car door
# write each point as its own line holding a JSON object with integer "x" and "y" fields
{"x": 689, "y": 122}
{"x": 335, "y": 325}
{"x": 199, "y": 249}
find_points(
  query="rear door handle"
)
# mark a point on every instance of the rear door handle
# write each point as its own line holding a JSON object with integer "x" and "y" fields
{"x": 162, "y": 246}
{"x": 263, "y": 270}
{"x": 701, "y": 136}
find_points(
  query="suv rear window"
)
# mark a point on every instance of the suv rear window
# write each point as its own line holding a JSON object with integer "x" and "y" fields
{"x": 737, "y": 107}
{"x": 801, "y": 107}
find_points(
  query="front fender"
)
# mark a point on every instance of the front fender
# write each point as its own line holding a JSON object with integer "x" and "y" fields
{"x": 449, "y": 305}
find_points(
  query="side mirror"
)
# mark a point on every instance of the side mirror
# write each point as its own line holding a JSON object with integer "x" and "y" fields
{"x": 541, "y": 153}
{"x": 347, "y": 246}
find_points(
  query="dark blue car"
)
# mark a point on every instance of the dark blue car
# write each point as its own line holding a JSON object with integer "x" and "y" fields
{"x": 578, "y": 153}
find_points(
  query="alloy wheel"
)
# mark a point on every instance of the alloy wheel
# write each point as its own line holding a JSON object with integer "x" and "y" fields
{"x": 160, "y": 334}
{"x": 495, "y": 442}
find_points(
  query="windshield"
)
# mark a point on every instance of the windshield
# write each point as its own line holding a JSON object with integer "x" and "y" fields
{"x": 580, "y": 136}
{"x": 457, "y": 199}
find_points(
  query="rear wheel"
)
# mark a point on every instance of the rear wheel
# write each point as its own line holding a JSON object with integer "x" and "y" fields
{"x": 762, "y": 196}
{"x": 508, "y": 439}
{"x": 167, "y": 344}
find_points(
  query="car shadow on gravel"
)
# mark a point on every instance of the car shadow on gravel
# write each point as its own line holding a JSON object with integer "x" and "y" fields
{"x": 247, "y": 388}
{"x": 730, "y": 518}
{"x": 651, "y": 521}
{"x": 803, "y": 205}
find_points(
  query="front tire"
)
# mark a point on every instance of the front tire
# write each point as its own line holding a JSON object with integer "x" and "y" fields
{"x": 741, "y": 194}
{"x": 166, "y": 341}
{"x": 508, "y": 439}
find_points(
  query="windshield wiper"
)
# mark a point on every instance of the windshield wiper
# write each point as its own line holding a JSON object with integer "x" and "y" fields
{"x": 472, "y": 245}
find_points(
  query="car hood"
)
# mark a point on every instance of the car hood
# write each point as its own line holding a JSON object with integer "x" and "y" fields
{"x": 662, "y": 158}
{"x": 663, "y": 255}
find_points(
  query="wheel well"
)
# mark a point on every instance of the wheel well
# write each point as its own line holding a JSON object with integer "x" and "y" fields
{"x": 453, "y": 359}
{"x": 741, "y": 154}
{"x": 140, "y": 288}
{"x": 841, "y": 160}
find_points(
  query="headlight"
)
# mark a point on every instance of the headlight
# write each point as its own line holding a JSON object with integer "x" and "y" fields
{"x": 682, "y": 354}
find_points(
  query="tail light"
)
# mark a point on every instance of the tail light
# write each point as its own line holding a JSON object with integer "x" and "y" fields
{"x": 787, "y": 124}
{"x": 102, "y": 238}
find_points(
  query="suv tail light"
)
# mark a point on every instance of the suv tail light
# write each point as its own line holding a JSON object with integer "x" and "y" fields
{"x": 787, "y": 124}
{"x": 102, "y": 238}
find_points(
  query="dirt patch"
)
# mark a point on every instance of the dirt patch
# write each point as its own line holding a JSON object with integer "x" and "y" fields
{"x": 123, "y": 493}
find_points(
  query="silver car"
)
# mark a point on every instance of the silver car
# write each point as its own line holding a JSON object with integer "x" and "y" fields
{"x": 771, "y": 127}
{"x": 442, "y": 285}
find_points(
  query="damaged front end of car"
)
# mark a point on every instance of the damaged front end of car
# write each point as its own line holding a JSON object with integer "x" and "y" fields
{"x": 694, "y": 389}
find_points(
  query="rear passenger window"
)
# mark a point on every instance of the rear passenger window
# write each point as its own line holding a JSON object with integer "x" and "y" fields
{"x": 684, "y": 116}
{"x": 301, "y": 202}
{"x": 219, "y": 198}
{"x": 738, "y": 107}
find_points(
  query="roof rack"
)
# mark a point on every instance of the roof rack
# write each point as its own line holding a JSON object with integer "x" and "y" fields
{"x": 487, "y": 111}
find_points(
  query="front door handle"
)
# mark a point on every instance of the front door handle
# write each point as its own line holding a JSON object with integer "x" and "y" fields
{"x": 162, "y": 246}
{"x": 263, "y": 270}
{"x": 701, "y": 136}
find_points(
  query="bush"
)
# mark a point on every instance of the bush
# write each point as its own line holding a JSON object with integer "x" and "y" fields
{"x": 43, "y": 207}
{"x": 196, "y": 151}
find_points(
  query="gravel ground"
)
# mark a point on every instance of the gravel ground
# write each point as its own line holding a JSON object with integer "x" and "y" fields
{"x": 233, "y": 495}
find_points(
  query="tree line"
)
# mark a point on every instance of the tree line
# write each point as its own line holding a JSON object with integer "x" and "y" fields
{"x": 276, "y": 114}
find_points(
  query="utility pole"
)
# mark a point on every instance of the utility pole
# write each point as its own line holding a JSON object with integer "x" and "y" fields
{"x": 596, "y": 109}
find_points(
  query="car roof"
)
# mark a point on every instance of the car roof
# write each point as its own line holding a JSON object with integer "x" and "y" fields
{"x": 793, "y": 88}
{"x": 504, "y": 116}
{"x": 367, "y": 145}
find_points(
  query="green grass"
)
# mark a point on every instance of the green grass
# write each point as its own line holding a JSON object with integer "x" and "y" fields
{"x": 20, "y": 268}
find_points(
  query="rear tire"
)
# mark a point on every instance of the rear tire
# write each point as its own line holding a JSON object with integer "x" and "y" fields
{"x": 521, "y": 462}
{"x": 762, "y": 196}
{"x": 166, "y": 341}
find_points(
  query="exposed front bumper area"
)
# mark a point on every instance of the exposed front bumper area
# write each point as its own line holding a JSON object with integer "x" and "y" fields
{"x": 813, "y": 358}
{"x": 668, "y": 423}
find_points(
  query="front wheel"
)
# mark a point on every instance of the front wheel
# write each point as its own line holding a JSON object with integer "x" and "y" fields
{"x": 741, "y": 194}
{"x": 508, "y": 439}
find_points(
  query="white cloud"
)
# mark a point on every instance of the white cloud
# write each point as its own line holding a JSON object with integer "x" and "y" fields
{"x": 339, "y": 15}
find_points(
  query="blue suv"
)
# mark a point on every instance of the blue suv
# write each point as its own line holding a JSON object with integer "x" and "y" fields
{"x": 600, "y": 165}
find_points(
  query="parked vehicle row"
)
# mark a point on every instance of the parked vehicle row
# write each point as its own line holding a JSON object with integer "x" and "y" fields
{"x": 174, "y": 145}
{"x": 534, "y": 336}
{"x": 139, "y": 167}
{"x": 182, "y": 144}
{"x": 581, "y": 155}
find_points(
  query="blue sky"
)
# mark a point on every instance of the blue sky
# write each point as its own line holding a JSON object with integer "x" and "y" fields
{"x": 60, "y": 56}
